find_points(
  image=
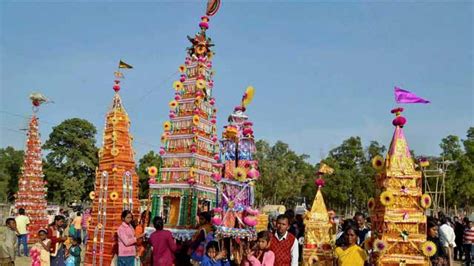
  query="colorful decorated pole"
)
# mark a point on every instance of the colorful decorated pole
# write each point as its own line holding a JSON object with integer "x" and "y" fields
{"x": 319, "y": 231}
{"x": 31, "y": 194}
{"x": 183, "y": 185}
{"x": 397, "y": 212}
{"x": 116, "y": 184}
{"x": 235, "y": 216}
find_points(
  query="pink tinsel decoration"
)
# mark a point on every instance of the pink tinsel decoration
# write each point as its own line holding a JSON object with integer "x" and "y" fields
{"x": 253, "y": 173}
{"x": 216, "y": 176}
{"x": 399, "y": 121}
{"x": 216, "y": 221}
{"x": 319, "y": 182}
{"x": 250, "y": 221}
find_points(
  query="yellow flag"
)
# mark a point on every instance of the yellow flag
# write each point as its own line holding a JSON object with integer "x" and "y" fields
{"x": 325, "y": 169}
{"x": 122, "y": 64}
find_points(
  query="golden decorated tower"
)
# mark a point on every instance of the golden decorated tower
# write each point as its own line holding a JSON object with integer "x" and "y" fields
{"x": 319, "y": 231}
{"x": 116, "y": 184}
{"x": 397, "y": 212}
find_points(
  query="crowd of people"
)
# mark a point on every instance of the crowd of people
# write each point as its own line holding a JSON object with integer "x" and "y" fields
{"x": 282, "y": 244}
{"x": 58, "y": 244}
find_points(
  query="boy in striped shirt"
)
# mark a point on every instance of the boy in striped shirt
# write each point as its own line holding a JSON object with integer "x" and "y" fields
{"x": 469, "y": 241}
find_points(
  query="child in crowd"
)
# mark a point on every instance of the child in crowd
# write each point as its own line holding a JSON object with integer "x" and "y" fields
{"x": 262, "y": 256}
{"x": 8, "y": 245}
{"x": 213, "y": 257}
{"x": 74, "y": 258}
{"x": 44, "y": 245}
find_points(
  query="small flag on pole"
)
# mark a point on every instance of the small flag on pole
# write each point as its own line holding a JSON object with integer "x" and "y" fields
{"x": 122, "y": 64}
{"x": 404, "y": 96}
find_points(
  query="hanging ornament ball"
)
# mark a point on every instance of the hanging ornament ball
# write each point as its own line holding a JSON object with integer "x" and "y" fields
{"x": 116, "y": 87}
{"x": 399, "y": 121}
{"x": 319, "y": 182}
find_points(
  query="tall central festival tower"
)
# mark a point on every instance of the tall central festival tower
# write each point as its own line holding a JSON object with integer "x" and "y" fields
{"x": 116, "y": 184}
{"x": 183, "y": 186}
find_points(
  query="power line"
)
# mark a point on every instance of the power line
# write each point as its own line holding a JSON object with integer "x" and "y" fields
{"x": 143, "y": 143}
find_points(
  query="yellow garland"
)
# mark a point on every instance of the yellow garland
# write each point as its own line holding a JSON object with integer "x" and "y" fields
{"x": 178, "y": 85}
{"x": 380, "y": 246}
{"x": 424, "y": 199}
{"x": 200, "y": 84}
{"x": 182, "y": 68}
{"x": 114, "y": 195}
{"x": 114, "y": 152}
{"x": 92, "y": 195}
{"x": 378, "y": 163}
{"x": 152, "y": 171}
{"x": 240, "y": 174}
{"x": 386, "y": 198}
{"x": 167, "y": 126}
{"x": 173, "y": 104}
{"x": 196, "y": 120}
{"x": 429, "y": 248}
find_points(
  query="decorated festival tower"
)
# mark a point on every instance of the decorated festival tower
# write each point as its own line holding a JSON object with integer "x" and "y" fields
{"x": 183, "y": 187}
{"x": 31, "y": 194}
{"x": 116, "y": 184}
{"x": 235, "y": 177}
{"x": 319, "y": 232}
{"x": 397, "y": 212}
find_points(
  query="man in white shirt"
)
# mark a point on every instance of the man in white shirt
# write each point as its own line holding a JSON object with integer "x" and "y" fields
{"x": 447, "y": 238}
{"x": 22, "y": 221}
{"x": 284, "y": 244}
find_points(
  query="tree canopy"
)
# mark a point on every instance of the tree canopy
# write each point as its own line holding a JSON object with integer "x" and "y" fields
{"x": 71, "y": 160}
{"x": 11, "y": 161}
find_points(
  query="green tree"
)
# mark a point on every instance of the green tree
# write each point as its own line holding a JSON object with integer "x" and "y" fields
{"x": 282, "y": 173}
{"x": 451, "y": 148}
{"x": 71, "y": 160}
{"x": 11, "y": 161}
{"x": 149, "y": 159}
{"x": 459, "y": 177}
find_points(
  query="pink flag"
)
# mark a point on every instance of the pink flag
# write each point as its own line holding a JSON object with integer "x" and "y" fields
{"x": 403, "y": 96}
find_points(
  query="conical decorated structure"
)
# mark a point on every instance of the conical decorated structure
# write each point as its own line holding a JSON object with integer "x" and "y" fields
{"x": 116, "y": 184}
{"x": 235, "y": 216}
{"x": 397, "y": 212}
{"x": 183, "y": 185}
{"x": 31, "y": 194}
{"x": 319, "y": 231}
